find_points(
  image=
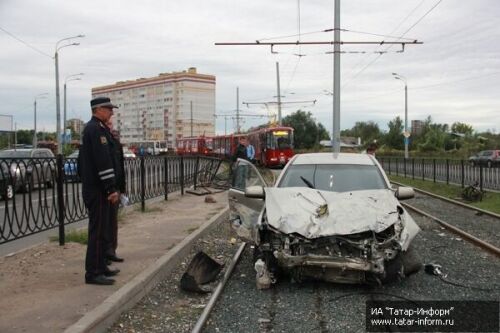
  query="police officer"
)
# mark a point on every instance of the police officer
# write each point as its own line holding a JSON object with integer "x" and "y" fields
{"x": 99, "y": 188}
{"x": 112, "y": 241}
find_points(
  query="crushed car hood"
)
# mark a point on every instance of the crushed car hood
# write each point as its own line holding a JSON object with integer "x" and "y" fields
{"x": 313, "y": 213}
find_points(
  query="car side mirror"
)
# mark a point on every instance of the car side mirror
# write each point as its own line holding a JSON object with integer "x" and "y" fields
{"x": 403, "y": 193}
{"x": 256, "y": 192}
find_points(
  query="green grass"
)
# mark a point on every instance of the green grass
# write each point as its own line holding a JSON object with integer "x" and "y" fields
{"x": 75, "y": 236}
{"x": 490, "y": 202}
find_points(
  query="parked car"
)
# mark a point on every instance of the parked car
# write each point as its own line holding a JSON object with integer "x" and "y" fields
{"x": 329, "y": 217}
{"x": 127, "y": 153}
{"x": 71, "y": 167}
{"x": 23, "y": 169}
{"x": 487, "y": 158}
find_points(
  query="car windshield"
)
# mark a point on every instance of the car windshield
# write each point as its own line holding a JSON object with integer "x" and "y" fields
{"x": 15, "y": 154}
{"x": 334, "y": 177}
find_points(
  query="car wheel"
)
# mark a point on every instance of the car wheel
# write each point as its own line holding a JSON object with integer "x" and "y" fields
{"x": 412, "y": 263}
{"x": 489, "y": 164}
{"x": 472, "y": 164}
{"x": 9, "y": 193}
{"x": 393, "y": 270}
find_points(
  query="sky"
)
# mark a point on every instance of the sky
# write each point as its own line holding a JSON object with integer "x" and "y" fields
{"x": 453, "y": 76}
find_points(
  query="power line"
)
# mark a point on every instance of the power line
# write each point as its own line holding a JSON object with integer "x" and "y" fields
{"x": 25, "y": 43}
{"x": 411, "y": 27}
{"x": 393, "y": 31}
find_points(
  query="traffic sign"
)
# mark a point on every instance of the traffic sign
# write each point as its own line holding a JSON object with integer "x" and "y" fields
{"x": 406, "y": 134}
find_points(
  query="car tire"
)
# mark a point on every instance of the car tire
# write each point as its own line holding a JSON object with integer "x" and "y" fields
{"x": 412, "y": 263}
{"x": 393, "y": 270}
{"x": 489, "y": 164}
{"x": 9, "y": 193}
{"x": 472, "y": 163}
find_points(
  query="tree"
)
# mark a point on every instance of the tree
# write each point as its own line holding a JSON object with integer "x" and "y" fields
{"x": 367, "y": 131}
{"x": 462, "y": 128}
{"x": 394, "y": 137}
{"x": 307, "y": 133}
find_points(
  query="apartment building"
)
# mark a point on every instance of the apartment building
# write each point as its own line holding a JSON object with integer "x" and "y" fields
{"x": 166, "y": 107}
{"x": 75, "y": 124}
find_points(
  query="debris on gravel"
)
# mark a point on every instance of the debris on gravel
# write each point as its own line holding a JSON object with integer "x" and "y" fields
{"x": 167, "y": 308}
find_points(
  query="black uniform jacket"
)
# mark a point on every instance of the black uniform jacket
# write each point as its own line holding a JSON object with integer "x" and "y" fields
{"x": 97, "y": 158}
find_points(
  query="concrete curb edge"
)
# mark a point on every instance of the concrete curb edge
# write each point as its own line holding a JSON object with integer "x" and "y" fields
{"x": 104, "y": 315}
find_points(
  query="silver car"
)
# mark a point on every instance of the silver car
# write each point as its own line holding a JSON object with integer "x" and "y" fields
{"x": 23, "y": 169}
{"x": 332, "y": 217}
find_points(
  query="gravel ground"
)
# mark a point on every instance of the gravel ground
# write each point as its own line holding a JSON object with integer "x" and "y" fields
{"x": 480, "y": 225}
{"x": 312, "y": 306}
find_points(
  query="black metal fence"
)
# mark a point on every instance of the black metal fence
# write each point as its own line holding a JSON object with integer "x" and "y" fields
{"x": 458, "y": 172}
{"x": 40, "y": 194}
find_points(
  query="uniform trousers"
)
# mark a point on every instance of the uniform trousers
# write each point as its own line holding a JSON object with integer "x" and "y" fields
{"x": 99, "y": 208}
{"x": 112, "y": 237}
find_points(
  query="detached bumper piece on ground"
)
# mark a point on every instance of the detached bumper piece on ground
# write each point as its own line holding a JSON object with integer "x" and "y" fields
{"x": 201, "y": 270}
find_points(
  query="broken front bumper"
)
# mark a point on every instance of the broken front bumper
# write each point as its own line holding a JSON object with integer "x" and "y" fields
{"x": 331, "y": 269}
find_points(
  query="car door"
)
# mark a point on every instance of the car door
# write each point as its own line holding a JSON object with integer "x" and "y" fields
{"x": 244, "y": 211}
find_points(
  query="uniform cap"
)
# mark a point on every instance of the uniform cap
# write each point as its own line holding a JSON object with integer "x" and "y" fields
{"x": 103, "y": 102}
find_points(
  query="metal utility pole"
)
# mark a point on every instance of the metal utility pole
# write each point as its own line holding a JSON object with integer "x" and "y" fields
{"x": 191, "y": 107}
{"x": 406, "y": 133}
{"x": 73, "y": 77}
{"x": 237, "y": 109}
{"x": 279, "y": 92}
{"x": 39, "y": 96}
{"x": 58, "y": 101}
{"x": 336, "y": 59}
{"x": 15, "y": 136}
{"x": 336, "y": 80}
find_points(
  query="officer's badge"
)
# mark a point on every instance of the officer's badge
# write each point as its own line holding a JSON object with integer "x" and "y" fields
{"x": 103, "y": 140}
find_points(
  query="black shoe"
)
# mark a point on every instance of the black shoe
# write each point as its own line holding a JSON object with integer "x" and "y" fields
{"x": 111, "y": 272}
{"x": 99, "y": 279}
{"x": 114, "y": 258}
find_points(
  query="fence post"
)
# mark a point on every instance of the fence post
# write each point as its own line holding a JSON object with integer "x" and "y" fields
{"x": 413, "y": 168}
{"x": 447, "y": 172}
{"x": 423, "y": 169}
{"x": 397, "y": 166}
{"x": 463, "y": 173}
{"x": 434, "y": 169}
{"x": 60, "y": 198}
{"x": 481, "y": 177}
{"x": 182, "y": 174}
{"x": 404, "y": 166}
{"x": 165, "y": 165}
{"x": 197, "y": 164}
{"x": 389, "y": 165}
{"x": 143, "y": 186}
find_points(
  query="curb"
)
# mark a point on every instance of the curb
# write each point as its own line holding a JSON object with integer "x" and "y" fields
{"x": 104, "y": 315}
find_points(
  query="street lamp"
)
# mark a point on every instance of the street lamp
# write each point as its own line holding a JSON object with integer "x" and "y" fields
{"x": 406, "y": 133}
{"x": 58, "y": 102}
{"x": 72, "y": 77}
{"x": 39, "y": 96}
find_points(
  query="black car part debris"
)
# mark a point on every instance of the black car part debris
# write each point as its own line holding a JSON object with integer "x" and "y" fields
{"x": 201, "y": 270}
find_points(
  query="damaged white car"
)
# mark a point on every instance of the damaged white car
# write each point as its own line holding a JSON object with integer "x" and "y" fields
{"x": 332, "y": 217}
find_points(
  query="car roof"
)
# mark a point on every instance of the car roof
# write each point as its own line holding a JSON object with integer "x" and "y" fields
{"x": 331, "y": 158}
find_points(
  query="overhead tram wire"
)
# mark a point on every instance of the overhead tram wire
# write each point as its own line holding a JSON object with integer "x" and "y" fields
{"x": 25, "y": 43}
{"x": 392, "y": 32}
{"x": 411, "y": 27}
